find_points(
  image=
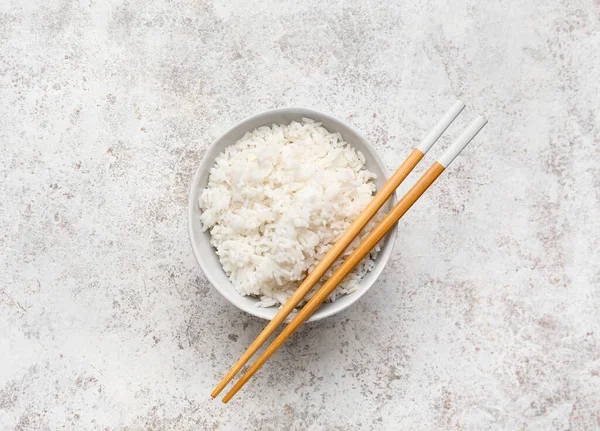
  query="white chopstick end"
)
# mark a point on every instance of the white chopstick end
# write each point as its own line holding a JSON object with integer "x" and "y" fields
{"x": 462, "y": 141}
{"x": 441, "y": 126}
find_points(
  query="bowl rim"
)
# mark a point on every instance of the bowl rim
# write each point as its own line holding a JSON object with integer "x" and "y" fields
{"x": 320, "y": 313}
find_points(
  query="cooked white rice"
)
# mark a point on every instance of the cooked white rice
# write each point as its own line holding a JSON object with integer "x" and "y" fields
{"x": 275, "y": 203}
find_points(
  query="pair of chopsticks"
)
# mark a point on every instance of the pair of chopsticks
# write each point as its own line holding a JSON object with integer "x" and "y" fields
{"x": 363, "y": 248}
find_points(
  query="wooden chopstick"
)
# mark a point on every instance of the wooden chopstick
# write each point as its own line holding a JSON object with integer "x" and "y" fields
{"x": 365, "y": 246}
{"x": 347, "y": 237}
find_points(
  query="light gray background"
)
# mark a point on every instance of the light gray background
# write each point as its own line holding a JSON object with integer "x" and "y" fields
{"x": 487, "y": 316}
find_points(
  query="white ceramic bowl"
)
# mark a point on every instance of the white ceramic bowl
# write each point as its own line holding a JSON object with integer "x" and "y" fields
{"x": 205, "y": 254}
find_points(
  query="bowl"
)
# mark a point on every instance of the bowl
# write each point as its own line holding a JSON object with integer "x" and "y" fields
{"x": 205, "y": 253}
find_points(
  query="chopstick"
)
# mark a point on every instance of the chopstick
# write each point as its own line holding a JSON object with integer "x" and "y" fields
{"x": 347, "y": 237}
{"x": 365, "y": 246}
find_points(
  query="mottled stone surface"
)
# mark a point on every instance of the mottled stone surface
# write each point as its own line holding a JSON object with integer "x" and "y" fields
{"x": 488, "y": 315}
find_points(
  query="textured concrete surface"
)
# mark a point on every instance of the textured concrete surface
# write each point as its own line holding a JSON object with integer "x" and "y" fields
{"x": 487, "y": 316}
